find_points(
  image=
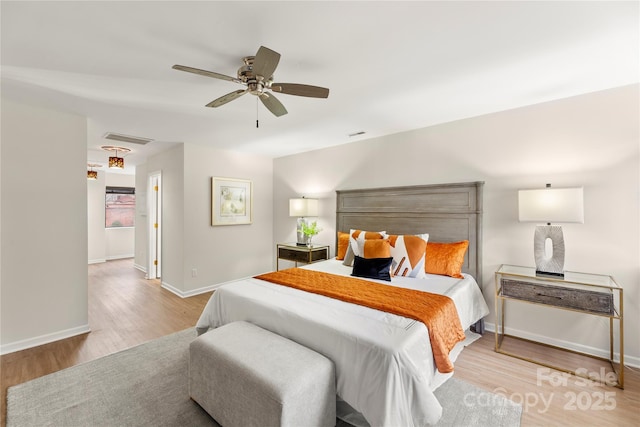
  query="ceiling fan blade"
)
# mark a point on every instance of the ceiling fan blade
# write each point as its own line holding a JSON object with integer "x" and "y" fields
{"x": 265, "y": 62}
{"x": 300, "y": 90}
{"x": 205, "y": 73}
{"x": 227, "y": 98}
{"x": 272, "y": 104}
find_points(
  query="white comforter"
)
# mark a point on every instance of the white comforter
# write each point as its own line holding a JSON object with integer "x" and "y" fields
{"x": 384, "y": 364}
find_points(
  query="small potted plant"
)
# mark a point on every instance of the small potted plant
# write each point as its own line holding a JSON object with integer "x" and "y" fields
{"x": 310, "y": 229}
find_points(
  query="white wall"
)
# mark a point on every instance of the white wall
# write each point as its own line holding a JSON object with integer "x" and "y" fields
{"x": 107, "y": 243}
{"x": 95, "y": 218}
{"x": 140, "y": 234}
{"x": 189, "y": 241}
{"x": 590, "y": 140}
{"x": 43, "y": 285}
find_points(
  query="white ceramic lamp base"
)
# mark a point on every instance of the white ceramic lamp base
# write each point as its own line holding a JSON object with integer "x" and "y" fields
{"x": 550, "y": 264}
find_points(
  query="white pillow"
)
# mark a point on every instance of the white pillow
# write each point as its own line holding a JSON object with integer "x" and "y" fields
{"x": 408, "y": 253}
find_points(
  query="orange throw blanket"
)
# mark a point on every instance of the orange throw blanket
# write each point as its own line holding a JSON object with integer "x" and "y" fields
{"x": 437, "y": 312}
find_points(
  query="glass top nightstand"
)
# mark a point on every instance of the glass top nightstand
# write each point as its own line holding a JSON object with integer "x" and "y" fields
{"x": 304, "y": 254}
{"x": 594, "y": 294}
{"x": 570, "y": 277}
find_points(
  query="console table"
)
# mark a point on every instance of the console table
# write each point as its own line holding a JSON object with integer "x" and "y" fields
{"x": 593, "y": 294}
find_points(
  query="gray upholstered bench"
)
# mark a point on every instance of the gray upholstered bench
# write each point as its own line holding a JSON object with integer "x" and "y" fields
{"x": 243, "y": 375}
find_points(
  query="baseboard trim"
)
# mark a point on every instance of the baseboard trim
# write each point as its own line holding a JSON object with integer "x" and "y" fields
{"x": 43, "y": 339}
{"x": 604, "y": 353}
{"x": 139, "y": 267}
{"x": 187, "y": 294}
{"x": 114, "y": 257}
{"x": 97, "y": 261}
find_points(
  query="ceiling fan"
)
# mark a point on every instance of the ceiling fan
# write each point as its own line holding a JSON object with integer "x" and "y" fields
{"x": 257, "y": 75}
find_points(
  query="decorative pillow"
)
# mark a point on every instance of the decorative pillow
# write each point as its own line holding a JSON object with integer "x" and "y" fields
{"x": 408, "y": 252}
{"x": 372, "y": 268}
{"x": 343, "y": 244}
{"x": 354, "y": 237}
{"x": 374, "y": 248}
{"x": 446, "y": 258}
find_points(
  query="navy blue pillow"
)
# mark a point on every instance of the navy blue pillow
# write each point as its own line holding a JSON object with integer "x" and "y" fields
{"x": 372, "y": 268}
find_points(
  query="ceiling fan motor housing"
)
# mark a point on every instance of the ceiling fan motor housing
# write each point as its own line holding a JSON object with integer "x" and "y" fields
{"x": 246, "y": 75}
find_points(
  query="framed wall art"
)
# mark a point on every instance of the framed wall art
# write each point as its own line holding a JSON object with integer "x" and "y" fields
{"x": 231, "y": 201}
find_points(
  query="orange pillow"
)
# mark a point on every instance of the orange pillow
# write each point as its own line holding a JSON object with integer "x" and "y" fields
{"x": 446, "y": 258}
{"x": 367, "y": 235}
{"x": 375, "y": 248}
{"x": 343, "y": 244}
{"x": 355, "y": 238}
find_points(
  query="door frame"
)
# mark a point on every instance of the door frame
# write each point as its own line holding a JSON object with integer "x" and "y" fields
{"x": 154, "y": 225}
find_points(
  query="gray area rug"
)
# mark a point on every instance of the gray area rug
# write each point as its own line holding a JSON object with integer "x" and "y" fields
{"x": 147, "y": 385}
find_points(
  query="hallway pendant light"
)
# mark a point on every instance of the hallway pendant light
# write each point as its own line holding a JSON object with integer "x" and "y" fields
{"x": 91, "y": 174}
{"x": 116, "y": 162}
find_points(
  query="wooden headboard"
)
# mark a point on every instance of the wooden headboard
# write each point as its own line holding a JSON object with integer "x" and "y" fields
{"x": 448, "y": 212}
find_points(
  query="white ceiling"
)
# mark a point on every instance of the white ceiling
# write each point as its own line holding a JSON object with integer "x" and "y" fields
{"x": 390, "y": 66}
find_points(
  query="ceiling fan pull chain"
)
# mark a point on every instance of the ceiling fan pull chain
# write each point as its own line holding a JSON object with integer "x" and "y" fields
{"x": 257, "y": 109}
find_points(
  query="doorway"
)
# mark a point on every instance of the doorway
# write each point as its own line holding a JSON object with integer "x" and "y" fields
{"x": 154, "y": 213}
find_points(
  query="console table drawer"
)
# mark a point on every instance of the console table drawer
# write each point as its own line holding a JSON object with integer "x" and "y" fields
{"x": 578, "y": 299}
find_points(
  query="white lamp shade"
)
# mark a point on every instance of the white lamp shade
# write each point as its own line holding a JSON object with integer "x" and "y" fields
{"x": 551, "y": 205}
{"x": 303, "y": 207}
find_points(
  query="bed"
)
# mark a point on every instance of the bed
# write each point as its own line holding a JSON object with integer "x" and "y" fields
{"x": 384, "y": 362}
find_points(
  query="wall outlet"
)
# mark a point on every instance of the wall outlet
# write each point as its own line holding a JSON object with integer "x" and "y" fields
{"x": 194, "y": 272}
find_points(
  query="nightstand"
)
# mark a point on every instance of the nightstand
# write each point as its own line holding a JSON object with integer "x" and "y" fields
{"x": 594, "y": 294}
{"x": 305, "y": 254}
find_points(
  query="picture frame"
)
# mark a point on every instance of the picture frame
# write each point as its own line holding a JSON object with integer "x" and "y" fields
{"x": 231, "y": 201}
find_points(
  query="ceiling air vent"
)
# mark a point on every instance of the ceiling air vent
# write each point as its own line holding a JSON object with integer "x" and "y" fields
{"x": 127, "y": 138}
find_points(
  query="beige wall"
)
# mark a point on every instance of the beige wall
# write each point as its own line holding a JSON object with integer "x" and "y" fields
{"x": 590, "y": 140}
{"x": 43, "y": 286}
{"x": 171, "y": 164}
{"x": 189, "y": 242}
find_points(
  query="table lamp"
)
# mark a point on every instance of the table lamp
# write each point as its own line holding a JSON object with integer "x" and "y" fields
{"x": 550, "y": 205}
{"x": 302, "y": 208}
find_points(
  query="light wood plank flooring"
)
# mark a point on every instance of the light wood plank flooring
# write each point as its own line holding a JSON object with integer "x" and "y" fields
{"x": 126, "y": 310}
{"x": 550, "y": 397}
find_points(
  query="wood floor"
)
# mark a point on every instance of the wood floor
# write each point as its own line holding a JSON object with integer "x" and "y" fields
{"x": 126, "y": 310}
{"x": 550, "y": 397}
